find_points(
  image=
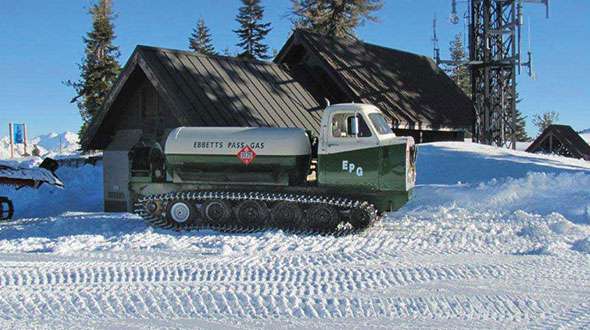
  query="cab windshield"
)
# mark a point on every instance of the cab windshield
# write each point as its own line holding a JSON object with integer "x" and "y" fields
{"x": 380, "y": 123}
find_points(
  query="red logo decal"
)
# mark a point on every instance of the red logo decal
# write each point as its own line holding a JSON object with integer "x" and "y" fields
{"x": 246, "y": 155}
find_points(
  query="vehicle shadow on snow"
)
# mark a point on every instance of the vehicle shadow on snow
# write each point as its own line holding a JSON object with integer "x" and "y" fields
{"x": 108, "y": 225}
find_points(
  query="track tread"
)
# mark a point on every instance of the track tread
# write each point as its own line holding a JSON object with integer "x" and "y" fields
{"x": 159, "y": 220}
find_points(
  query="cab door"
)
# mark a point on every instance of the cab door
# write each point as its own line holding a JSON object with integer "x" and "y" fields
{"x": 350, "y": 157}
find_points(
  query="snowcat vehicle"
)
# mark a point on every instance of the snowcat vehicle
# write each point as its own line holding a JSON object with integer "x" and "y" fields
{"x": 247, "y": 178}
{"x": 25, "y": 177}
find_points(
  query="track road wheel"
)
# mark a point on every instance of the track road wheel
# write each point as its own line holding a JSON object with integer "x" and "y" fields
{"x": 359, "y": 218}
{"x": 154, "y": 208}
{"x": 251, "y": 214}
{"x": 322, "y": 217}
{"x": 286, "y": 215}
{"x": 180, "y": 214}
{"x": 216, "y": 213}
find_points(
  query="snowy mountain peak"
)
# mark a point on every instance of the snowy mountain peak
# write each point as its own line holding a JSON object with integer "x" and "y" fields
{"x": 49, "y": 145}
{"x": 585, "y": 134}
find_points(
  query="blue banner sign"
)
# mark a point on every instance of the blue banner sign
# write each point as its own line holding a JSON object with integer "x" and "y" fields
{"x": 18, "y": 133}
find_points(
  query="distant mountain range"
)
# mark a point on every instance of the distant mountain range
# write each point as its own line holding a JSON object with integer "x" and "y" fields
{"x": 50, "y": 145}
{"x": 585, "y": 134}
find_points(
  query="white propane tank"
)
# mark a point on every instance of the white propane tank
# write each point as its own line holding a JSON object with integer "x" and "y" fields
{"x": 264, "y": 141}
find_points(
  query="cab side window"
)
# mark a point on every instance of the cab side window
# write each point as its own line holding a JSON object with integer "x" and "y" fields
{"x": 339, "y": 125}
{"x": 342, "y": 125}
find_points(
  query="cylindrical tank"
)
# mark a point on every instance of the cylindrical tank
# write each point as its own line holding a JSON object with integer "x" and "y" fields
{"x": 257, "y": 155}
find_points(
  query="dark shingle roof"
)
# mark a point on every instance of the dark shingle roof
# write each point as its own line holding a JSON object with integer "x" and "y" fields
{"x": 410, "y": 88}
{"x": 565, "y": 138}
{"x": 219, "y": 91}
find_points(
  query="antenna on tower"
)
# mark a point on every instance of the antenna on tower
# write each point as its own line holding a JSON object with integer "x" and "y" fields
{"x": 453, "y": 18}
{"x": 435, "y": 41}
{"x": 532, "y": 73}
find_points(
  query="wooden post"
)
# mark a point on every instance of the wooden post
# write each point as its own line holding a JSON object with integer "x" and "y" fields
{"x": 11, "y": 140}
{"x": 25, "y": 136}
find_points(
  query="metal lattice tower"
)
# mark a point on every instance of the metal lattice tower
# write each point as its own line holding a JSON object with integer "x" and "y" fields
{"x": 494, "y": 58}
{"x": 494, "y": 54}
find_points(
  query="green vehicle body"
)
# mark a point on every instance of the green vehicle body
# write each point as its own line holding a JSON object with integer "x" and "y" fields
{"x": 383, "y": 169}
{"x": 374, "y": 167}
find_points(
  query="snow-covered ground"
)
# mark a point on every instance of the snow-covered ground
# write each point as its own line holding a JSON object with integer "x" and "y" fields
{"x": 493, "y": 239}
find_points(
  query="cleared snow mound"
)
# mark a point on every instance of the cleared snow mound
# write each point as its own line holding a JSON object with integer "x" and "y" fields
{"x": 567, "y": 194}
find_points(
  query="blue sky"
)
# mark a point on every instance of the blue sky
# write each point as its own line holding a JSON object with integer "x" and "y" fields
{"x": 41, "y": 42}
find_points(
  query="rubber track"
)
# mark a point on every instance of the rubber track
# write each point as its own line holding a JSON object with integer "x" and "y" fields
{"x": 203, "y": 196}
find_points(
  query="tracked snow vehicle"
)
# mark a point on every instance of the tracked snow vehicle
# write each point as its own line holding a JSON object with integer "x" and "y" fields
{"x": 252, "y": 178}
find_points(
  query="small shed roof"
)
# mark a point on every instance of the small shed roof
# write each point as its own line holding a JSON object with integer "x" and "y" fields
{"x": 206, "y": 90}
{"x": 410, "y": 88}
{"x": 564, "y": 141}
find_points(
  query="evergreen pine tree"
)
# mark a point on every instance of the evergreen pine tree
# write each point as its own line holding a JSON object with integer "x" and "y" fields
{"x": 458, "y": 70}
{"x": 252, "y": 32}
{"x": 521, "y": 134}
{"x": 337, "y": 18}
{"x": 544, "y": 120}
{"x": 200, "y": 39}
{"x": 99, "y": 69}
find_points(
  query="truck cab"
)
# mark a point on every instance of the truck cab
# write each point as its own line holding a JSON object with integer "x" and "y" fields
{"x": 357, "y": 150}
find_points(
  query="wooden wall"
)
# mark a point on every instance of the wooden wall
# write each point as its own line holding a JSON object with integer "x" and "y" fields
{"x": 145, "y": 110}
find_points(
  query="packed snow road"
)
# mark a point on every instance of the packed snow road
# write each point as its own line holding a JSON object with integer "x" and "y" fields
{"x": 506, "y": 247}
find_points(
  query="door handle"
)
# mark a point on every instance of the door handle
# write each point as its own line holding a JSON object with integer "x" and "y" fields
{"x": 333, "y": 145}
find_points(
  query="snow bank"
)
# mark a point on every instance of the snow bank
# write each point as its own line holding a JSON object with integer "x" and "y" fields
{"x": 582, "y": 245}
{"x": 540, "y": 193}
{"x": 82, "y": 192}
{"x": 458, "y": 162}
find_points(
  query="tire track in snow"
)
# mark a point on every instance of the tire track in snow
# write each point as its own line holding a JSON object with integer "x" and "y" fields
{"x": 577, "y": 317}
{"x": 338, "y": 278}
{"x": 178, "y": 301}
{"x": 279, "y": 289}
